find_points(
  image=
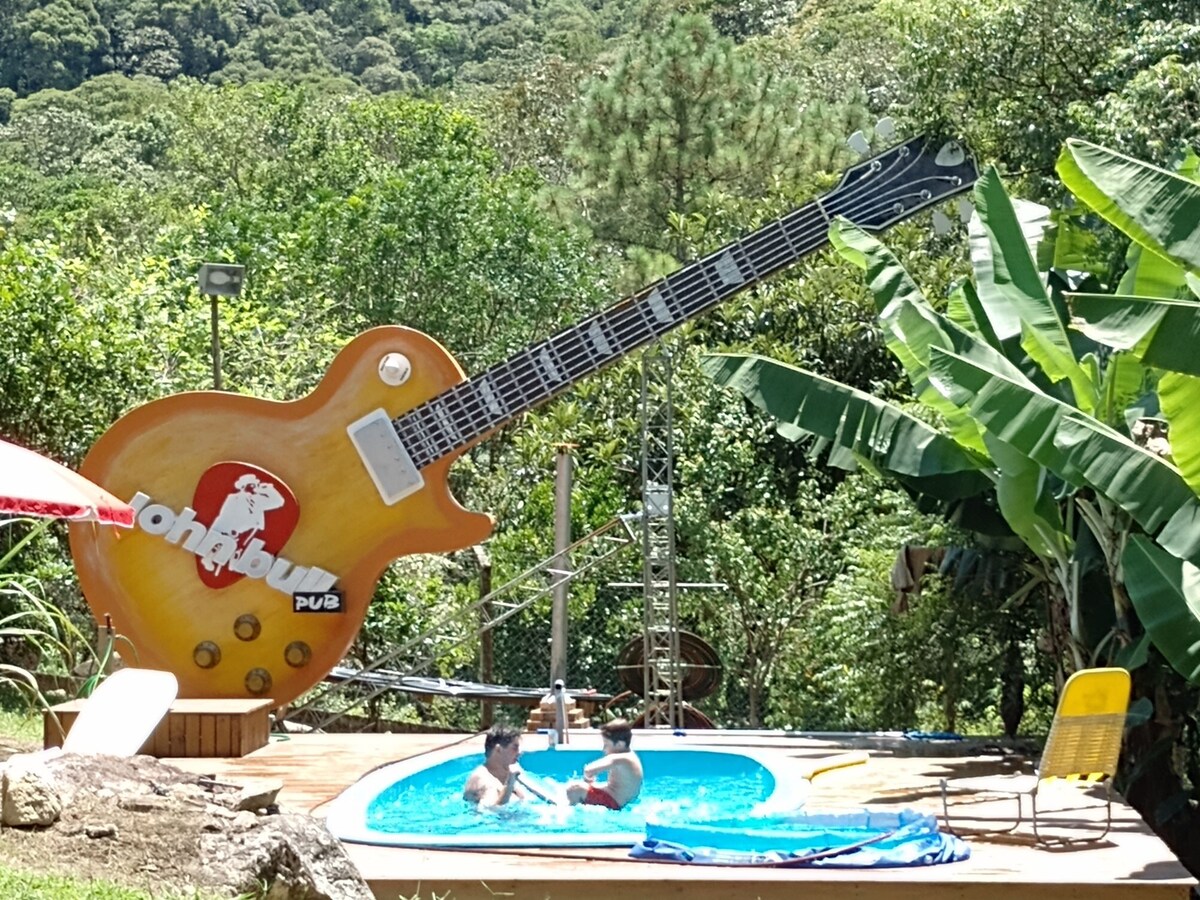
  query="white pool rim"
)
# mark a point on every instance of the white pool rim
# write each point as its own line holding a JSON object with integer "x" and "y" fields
{"x": 346, "y": 815}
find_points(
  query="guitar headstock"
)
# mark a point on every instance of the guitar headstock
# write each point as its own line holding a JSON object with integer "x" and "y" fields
{"x": 900, "y": 181}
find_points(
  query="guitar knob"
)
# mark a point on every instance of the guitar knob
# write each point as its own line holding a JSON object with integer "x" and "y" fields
{"x": 297, "y": 654}
{"x": 206, "y": 655}
{"x": 394, "y": 369}
{"x": 247, "y": 627}
{"x": 258, "y": 681}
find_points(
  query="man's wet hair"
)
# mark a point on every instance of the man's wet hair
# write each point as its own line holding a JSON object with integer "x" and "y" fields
{"x": 618, "y": 731}
{"x": 499, "y": 736}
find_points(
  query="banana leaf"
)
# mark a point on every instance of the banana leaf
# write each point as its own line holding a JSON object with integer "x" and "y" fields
{"x": 1125, "y": 382}
{"x": 1006, "y": 276}
{"x": 1161, "y": 333}
{"x": 1068, "y": 244}
{"x": 1179, "y": 396}
{"x": 1165, "y": 591}
{"x": 1150, "y": 275}
{"x": 964, "y": 310}
{"x": 1158, "y": 209}
{"x": 909, "y": 322}
{"x": 883, "y": 435}
{"x": 1077, "y": 448}
{"x": 1026, "y": 501}
{"x": 1002, "y": 235}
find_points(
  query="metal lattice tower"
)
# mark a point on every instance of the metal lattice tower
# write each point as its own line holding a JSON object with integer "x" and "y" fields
{"x": 662, "y": 673}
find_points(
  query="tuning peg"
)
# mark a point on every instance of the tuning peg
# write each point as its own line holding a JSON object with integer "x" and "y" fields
{"x": 965, "y": 208}
{"x": 941, "y": 222}
{"x": 885, "y": 128}
{"x": 858, "y": 143}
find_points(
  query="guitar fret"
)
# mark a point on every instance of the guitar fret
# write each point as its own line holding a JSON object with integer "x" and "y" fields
{"x": 873, "y": 194}
{"x": 786, "y": 233}
{"x": 599, "y": 341}
{"x": 525, "y": 378}
{"x": 748, "y": 267}
{"x": 490, "y": 400}
{"x": 418, "y": 440}
{"x": 679, "y": 310}
{"x": 447, "y": 424}
{"x": 572, "y": 354}
{"x": 800, "y": 218}
{"x": 702, "y": 292}
{"x": 473, "y": 414}
{"x": 728, "y": 271}
{"x": 436, "y": 432}
{"x": 658, "y": 306}
{"x": 550, "y": 368}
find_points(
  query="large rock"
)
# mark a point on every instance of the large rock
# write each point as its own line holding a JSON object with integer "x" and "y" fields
{"x": 167, "y": 827}
{"x": 30, "y": 792}
{"x": 294, "y": 854}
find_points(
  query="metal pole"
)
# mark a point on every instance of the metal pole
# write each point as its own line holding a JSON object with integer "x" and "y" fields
{"x": 561, "y": 568}
{"x": 661, "y": 675}
{"x": 216, "y": 346}
{"x": 487, "y": 656}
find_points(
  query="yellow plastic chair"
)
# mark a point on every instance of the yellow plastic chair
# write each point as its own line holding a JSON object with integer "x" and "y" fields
{"x": 1082, "y": 749}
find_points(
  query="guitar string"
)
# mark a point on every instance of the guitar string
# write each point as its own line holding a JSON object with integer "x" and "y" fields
{"x": 630, "y": 322}
{"x": 519, "y": 369}
{"x": 633, "y": 324}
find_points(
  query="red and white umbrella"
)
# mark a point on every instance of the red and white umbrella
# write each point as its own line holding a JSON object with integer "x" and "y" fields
{"x": 34, "y": 485}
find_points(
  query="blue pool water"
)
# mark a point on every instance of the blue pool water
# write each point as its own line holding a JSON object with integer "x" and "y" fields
{"x": 405, "y": 805}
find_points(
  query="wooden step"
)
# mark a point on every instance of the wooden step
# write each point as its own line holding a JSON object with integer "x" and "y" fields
{"x": 224, "y": 728}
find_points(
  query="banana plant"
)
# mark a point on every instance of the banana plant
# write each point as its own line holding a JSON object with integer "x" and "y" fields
{"x": 1039, "y": 410}
{"x": 1155, "y": 319}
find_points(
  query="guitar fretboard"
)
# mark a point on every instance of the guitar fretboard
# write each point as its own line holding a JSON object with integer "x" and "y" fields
{"x": 873, "y": 195}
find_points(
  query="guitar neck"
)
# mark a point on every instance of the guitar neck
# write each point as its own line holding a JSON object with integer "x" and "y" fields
{"x": 874, "y": 194}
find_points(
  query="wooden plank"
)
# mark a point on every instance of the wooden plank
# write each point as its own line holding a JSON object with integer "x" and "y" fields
{"x": 191, "y": 733}
{"x": 176, "y": 741}
{"x": 224, "y": 741}
{"x": 208, "y": 736}
{"x": 54, "y": 731}
{"x": 160, "y": 741}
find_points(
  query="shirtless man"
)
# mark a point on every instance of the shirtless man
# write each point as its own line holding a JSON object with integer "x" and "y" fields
{"x": 494, "y": 782}
{"x": 624, "y": 770}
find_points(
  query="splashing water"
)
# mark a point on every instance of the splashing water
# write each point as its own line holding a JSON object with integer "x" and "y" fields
{"x": 680, "y": 785}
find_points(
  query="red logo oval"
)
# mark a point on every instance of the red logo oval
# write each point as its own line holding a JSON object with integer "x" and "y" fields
{"x": 250, "y": 514}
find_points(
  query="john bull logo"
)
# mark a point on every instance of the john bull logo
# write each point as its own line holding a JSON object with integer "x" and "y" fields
{"x": 251, "y": 514}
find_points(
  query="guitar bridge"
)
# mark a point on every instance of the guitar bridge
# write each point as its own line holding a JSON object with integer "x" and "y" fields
{"x": 384, "y": 457}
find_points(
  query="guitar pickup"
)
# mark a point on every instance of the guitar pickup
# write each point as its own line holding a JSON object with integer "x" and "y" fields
{"x": 384, "y": 457}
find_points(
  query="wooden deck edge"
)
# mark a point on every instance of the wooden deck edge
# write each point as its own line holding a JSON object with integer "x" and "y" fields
{"x": 838, "y": 885}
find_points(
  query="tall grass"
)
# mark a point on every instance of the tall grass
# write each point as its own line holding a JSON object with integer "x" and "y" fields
{"x": 31, "y": 627}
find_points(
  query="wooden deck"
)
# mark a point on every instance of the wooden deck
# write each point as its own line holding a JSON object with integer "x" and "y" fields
{"x": 1130, "y": 863}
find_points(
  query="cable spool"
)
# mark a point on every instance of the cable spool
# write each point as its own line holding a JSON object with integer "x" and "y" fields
{"x": 699, "y": 664}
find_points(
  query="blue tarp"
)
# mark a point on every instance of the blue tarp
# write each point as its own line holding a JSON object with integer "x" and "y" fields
{"x": 853, "y": 840}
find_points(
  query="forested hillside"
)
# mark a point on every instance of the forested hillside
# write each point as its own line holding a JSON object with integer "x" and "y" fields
{"x": 379, "y": 45}
{"x": 488, "y": 172}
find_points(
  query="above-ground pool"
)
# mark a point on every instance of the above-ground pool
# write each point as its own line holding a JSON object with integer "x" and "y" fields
{"x": 419, "y": 803}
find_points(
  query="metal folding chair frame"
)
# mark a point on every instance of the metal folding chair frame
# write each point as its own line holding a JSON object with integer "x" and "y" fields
{"x": 1084, "y": 745}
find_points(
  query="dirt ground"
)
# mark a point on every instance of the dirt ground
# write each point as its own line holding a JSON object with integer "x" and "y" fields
{"x": 109, "y": 831}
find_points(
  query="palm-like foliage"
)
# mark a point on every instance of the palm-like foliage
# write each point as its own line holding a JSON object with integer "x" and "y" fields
{"x": 31, "y": 623}
{"x": 1035, "y": 406}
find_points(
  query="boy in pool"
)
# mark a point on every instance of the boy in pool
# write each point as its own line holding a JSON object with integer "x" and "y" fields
{"x": 624, "y": 770}
{"x": 494, "y": 782}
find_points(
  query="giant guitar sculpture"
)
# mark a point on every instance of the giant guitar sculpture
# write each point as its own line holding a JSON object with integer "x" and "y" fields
{"x": 262, "y": 526}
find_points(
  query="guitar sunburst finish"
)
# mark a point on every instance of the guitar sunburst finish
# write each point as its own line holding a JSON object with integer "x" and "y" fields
{"x": 150, "y": 586}
{"x": 263, "y": 526}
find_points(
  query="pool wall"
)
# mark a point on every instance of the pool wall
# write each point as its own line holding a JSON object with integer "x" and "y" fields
{"x": 347, "y": 816}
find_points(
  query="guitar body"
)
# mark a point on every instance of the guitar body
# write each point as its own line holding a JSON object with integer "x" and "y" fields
{"x": 242, "y": 503}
